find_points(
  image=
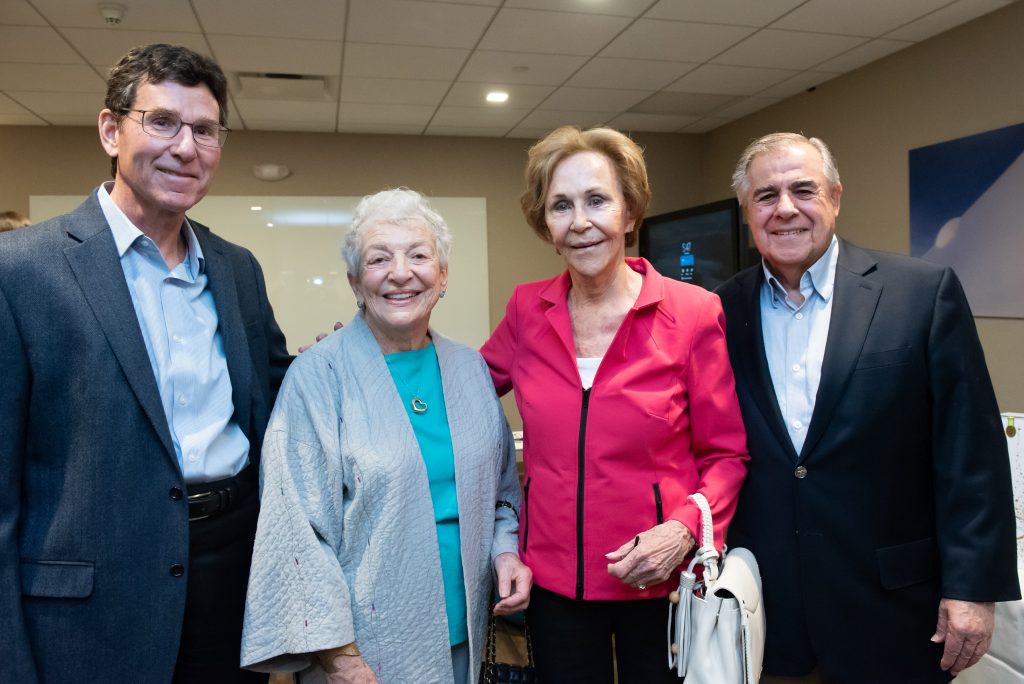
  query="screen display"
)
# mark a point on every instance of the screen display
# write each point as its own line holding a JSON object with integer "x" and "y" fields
{"x": 698, "y": 246}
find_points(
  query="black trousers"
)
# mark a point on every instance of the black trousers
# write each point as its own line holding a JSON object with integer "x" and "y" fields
{"x": 220, "y": 551}
{"x": 572, "y": 640}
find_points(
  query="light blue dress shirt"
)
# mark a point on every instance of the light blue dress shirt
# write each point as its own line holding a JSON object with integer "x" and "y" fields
{"x": 794, "y": 339}
{"x": 179, "y": 324}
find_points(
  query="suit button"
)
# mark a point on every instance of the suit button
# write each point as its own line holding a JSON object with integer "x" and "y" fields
{"x": 800, "y": 472}
{"x": 176, "y": 493}
{"x": 177, "y": 570}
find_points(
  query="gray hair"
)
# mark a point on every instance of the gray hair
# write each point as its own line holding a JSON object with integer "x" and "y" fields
{"x": 772, "y": 142}
{"x": 400, "y": 204}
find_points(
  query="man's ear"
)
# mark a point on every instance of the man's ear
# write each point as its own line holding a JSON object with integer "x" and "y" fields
{"x": 109, "y": 132}
{"x": 837, "y": 194}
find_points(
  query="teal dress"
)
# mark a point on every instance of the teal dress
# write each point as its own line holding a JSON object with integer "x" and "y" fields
{"x": 417, "y": 377}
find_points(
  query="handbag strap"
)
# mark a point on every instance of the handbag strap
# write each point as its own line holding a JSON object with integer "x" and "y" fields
{"x": 707, "y": 554}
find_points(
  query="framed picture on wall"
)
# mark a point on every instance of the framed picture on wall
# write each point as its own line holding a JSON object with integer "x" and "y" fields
{"x": 967, "y": 212}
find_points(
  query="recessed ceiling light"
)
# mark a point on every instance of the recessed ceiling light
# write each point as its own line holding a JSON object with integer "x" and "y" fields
{"x": 256, "y": 208}
{"x": 497, "y": 96}
{"x": 270, "y": 225}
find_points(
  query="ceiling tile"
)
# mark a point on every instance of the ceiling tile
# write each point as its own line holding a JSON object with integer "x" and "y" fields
{"x": 550, "y": 119}
{"x": 286, "y": 111}
{"x": 946, "y": 18}
{"x": 473, "y": 95}
{"x": 675, "y": 41}
{"x": 9, "y": 106}
{"x": 661, "y": 123}
{"x": 72, "y": 78}
{"x": 862, "y": 54}
{"x": 691, "y": 104}
{"x": 622, "y": 8}
{"x": 728, "y": 80}
{"x": 795, "y": 50}
{"x": 708, "y": 123}
{"x": 559, "y": 33}
{"x": 401, "y": 22}
{"x": 528, "y": 133}
{"x": 277, "y": 55}
{"x": 745, "y": 106}
{"x": 35, "y": 44}
{"x": 488, "y": 3}
{"x": 468, "y": 131}
{"x": 392, "y": 91}
{"x": 797, "y": 84}
{"x": 25, "y": 119}
{"x": 861, "y": 18}
{"x": 478, "y": 117}
{"x": 103, "y": 47}
{"x": 740, "y": 12}
{"x": 520, "y": 67}
{"x": 352, "y": 113}
{"x": 20, "y": 13}
{"x": 646, "y": 74}
{"x": 166, "y": 15}
{"x": 382, "y": 128}
{"x": 397, "y": 61}
{"x": 594, "y": 99}
{"x": 292, "y": 125}
{"x": 85, "y": 104}
{"x": 309, "y": 19}
{"x": 83, "y": 120}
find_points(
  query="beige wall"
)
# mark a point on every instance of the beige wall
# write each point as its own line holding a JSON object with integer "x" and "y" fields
{"x": 69, "y": 161}
{"x": 965, "y": 81}
{"x": 968, "y": 80}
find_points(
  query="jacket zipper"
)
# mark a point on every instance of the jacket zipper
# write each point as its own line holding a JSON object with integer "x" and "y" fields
{"x": 526, "y": 513}
{"x": 657, "y": 503}
{"x": 580, "y": 452}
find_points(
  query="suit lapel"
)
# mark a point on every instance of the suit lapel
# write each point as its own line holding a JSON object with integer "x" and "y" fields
{"x": 93, "y": 259}
{"x": 853, "y": 308}
{"x": 221, "y": 278}
{"x": 754, "y": 364}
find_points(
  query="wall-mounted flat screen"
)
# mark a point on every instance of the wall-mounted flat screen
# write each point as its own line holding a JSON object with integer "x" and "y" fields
{"x": 703, "y": 245}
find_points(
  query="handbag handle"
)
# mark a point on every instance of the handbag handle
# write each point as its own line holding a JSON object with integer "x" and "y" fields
{"x": 707, "y": 554}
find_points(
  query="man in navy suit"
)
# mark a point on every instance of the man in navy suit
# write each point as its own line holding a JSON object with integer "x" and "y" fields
{"x": 878, "y": 497}
{"x": 140, "y": 361}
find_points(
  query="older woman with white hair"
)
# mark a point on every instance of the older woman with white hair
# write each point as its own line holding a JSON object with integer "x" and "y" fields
{"x": 388, "y": 486}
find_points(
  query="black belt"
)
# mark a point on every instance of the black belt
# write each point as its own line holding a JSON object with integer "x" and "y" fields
{"x": 207, "y": 499}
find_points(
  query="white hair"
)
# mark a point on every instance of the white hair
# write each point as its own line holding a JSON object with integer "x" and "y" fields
{"x": 399, "y": 204}
{"x": 774, "y": 141}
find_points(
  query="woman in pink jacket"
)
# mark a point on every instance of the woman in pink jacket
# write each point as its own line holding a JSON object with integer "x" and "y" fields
{"x": 623, "y": 382}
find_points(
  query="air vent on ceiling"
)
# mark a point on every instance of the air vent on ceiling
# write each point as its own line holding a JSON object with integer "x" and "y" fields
{"x": 284, "y": 87}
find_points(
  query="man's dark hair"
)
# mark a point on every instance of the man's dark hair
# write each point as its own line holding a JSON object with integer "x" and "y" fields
{"x": 158, "y": 63}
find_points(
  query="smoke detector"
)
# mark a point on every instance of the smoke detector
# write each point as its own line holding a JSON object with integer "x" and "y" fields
{"x": 111, "y": 12}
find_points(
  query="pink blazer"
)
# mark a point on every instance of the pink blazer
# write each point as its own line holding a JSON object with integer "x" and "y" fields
{"x": 660, "y": 422}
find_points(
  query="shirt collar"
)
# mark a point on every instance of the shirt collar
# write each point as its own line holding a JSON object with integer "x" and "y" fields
{"x": 126, "y": 233}
{"x": 821, "y": 274}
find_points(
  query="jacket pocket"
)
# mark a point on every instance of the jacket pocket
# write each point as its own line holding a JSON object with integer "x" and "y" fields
{"x": 526, "y": 513}
{"x": 57, "y": 579}
{"x": 907, "y": 564}
{"x": 890, "y": 357}
{"x": 659, "y": 511}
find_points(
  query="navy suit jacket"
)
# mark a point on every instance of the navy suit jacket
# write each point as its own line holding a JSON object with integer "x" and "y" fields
{"x": 901, "y": 493}
{"x": 88, "y": 527}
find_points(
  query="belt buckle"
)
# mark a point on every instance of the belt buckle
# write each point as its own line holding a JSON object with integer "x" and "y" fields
{"x": 202, "y": 498}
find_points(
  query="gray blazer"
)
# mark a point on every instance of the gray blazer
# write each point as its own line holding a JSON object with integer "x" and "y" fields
{"x": 88, "y": 528}
{"x": 346, "y": 548}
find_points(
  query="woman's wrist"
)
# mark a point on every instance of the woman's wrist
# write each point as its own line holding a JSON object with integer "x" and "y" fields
{"x": 328, "y": 656}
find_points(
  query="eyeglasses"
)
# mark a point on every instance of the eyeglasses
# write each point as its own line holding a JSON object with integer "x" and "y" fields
{"x": 160, "y": 123}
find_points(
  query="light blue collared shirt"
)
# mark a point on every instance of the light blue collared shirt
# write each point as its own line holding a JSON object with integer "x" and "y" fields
{"x": 179, "y": 324}
{"x": 794, "y": 339}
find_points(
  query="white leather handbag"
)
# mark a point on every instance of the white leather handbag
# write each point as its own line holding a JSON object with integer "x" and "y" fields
{"x": 716, "y": 626}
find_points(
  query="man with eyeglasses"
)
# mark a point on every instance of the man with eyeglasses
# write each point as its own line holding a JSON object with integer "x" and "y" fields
{"x": 140, "y": 361}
